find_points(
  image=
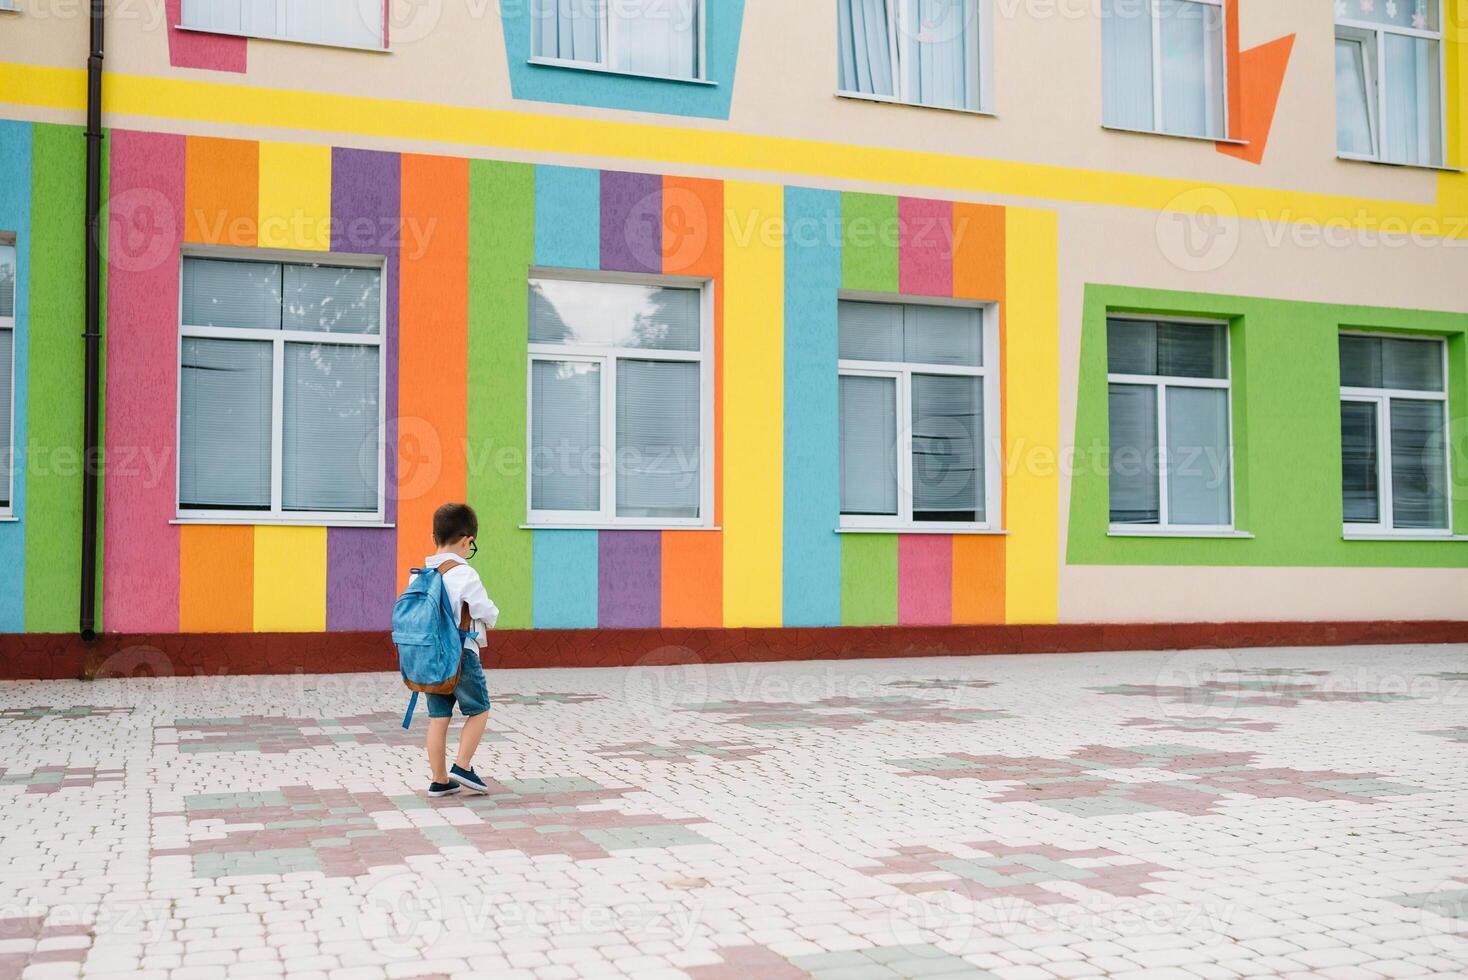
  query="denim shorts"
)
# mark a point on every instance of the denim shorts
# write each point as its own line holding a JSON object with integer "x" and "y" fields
{"x": 471, "y": 695}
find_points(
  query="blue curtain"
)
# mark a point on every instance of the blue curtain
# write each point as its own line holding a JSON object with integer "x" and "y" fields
{"x": 866, "y": 48}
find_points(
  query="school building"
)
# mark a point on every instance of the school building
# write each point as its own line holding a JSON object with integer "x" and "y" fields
{"x": 751, "y": 329}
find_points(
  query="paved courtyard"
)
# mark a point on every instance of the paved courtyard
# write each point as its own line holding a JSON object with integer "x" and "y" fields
{"x": 1209, "y": 814}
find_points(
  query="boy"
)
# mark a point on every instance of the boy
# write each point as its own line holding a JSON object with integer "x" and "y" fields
{"x": 455, "y": 527}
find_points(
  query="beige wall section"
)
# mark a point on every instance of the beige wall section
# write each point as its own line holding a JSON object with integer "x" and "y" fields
{"x": 1107, "y": 594}
{"x": 1047, "y": 85}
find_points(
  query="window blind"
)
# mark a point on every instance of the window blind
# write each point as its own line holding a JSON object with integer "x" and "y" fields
{"x": 565, "y": 441}
{"x": 868, "y": 446}
{"x": 657, "y": 439}
{"x": 329, "y": 453}
{"x": 947, "y": 459}
{"x": 7, "y": 435}
{"x": 1198, "y": 477}
{"x": 224, "y": 424}
{"x": 1134, "y": 465}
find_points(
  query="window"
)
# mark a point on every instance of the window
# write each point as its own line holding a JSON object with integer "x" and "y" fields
{"x": 1164, "y": 66}
{"x": 280, "y": 414}
{"x": 1389, "y": 81}
{"x": 1169, "y": 421}
{"x": 343, "y": 23}
{"x": 923, "y": 52}
{"x": 662, "y": 38}
{"x": 1394, "y": 435}
{"x": 620, "y": 417}
{"x": 7, "y": 370}
{"x": 919, "y": 416}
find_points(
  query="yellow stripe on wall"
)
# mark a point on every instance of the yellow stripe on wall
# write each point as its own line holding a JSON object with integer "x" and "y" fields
{"x": 1455, "y": 37}
{"x": 239, "y": 105}
{"x": 295, "y": 196}
{"x": 1032, "y": 423}
{"x": 754, "y": 437}
{"x": 290, "y": 579}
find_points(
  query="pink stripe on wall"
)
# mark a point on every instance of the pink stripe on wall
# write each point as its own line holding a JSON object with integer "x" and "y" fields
{"x": 144, "y": 229}
{"x": 925, "y": 238}
{"x": 924, "y": 580}
{"x": 196, "y": 49}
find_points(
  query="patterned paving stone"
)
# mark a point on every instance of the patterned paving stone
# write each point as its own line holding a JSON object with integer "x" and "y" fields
{"x": 989, "y": 869}
{"x": 256, "y": 733}
{"x": 1213, "y": 725}
{"x": 1100, "y": 781}
{"x": 1250, "y": 693}
{"x": 683, "y": 750}
{"x": 1456, "y": 734}
{"x": 843, "y": 712}
{"x": 797, "y": 820}
{"x": 42, "y": 712}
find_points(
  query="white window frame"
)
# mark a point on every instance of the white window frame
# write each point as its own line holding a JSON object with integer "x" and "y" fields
{"x": 607, "y": 357}
{"x": 7, "y": 509}
{"x": 1157, "y": 91}
{"x": 608, "y": 63}
{"x": 1162, "y": 382}
{"x": 898, "y": 43}
{"x": 1372, "y": 38}
{"x": 991, "y": 439}
{"x": 277, "y": 514}
{"x": 1382, "y": 399}
{"x": 280, "y": 18}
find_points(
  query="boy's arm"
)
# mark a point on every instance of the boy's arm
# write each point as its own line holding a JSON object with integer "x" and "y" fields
{"x": 481, "y": 606}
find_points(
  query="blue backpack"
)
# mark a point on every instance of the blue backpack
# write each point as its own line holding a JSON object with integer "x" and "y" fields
{"x": 429, "y": 637}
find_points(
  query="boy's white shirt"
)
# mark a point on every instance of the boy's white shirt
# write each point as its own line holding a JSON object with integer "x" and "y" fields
{"x": 465, "y": 587}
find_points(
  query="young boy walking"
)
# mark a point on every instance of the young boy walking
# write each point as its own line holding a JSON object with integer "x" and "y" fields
{"x": 455, "y": 528}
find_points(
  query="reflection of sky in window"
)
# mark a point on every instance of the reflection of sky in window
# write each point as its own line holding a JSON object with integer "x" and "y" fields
{"x": 1418, "y": 14}
{"x": 595, "y": 314}
{"x": 7, "y": 280}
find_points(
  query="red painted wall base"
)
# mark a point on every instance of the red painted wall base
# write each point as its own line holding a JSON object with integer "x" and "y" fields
{"x": 32, "y": 656}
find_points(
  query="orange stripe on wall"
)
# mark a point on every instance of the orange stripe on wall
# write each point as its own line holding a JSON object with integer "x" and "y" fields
{"x": 693, "y": 245}
{"x": 979, "y": 273}
{"x": 433, "y": 351}
{"x": 222, "y": 192}
{"x": 216, "y": 582}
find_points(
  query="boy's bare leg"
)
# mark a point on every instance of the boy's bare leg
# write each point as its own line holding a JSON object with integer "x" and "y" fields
{"x": 469, "y": 739}
{"x": 438, "y": 748}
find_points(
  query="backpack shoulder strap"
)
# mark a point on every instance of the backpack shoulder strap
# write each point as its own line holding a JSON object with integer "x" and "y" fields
{"x": 444, "y": 568}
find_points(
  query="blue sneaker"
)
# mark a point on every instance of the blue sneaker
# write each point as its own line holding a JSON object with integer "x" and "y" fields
{"x": 468, "y": 779}
{"x": 442, "y": 789}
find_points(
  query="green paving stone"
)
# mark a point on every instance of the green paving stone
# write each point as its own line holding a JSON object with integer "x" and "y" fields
{"x": 553, "y": 828}
{"x": 234, "y": 801}
{"x": 830, "y": 961}
{"x": 331, "y": 842}
{"x": 1370, "y": 787}
{"x": 1107, "y": 807}
{"x": 354, "y": 834}
{"x": 1450, "y": 904}
{"x": 444, "y": 836}
{"x": 510, "y": 825}
{"x": 408, "y": 802}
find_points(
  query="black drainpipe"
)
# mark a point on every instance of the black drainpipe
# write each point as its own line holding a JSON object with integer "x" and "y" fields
{"x": 91, "y": 463}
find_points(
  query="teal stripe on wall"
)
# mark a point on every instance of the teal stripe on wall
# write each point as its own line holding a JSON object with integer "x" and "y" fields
{"x": 15, "y": 218}
{"x": 568, "y": 217}
{"x": 567, "y": 236}
{"x": 812, "y": 549}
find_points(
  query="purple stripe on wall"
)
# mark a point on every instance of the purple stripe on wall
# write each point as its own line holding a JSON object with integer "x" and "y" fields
{"x": 631, "y": 222}
{"x": 630, "y": 579}
{"x": 365, "y": 209}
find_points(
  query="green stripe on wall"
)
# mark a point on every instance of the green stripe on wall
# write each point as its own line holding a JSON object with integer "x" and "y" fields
{"x": 1286, "y": 390}
{"x": 869, "y": 249}
{"x": 869, "y": 242}
{"x": 868, "y": 580}
{"x": 501, "y": 251}
{"x": 53, "y": 470}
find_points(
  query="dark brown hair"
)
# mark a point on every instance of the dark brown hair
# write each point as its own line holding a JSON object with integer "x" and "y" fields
{"x": 454, "y": 522}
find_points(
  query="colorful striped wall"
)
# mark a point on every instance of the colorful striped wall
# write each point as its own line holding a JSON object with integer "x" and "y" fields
{"x": 458, "y": 239}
